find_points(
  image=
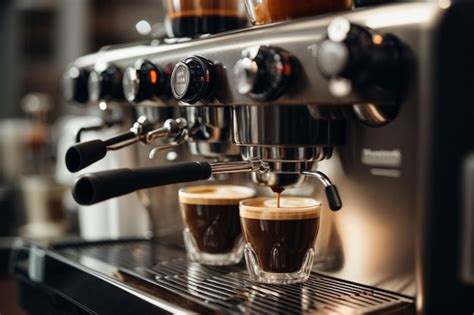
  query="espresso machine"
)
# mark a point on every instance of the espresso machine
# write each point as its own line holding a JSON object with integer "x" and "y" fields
{"x": 370, "y": 100}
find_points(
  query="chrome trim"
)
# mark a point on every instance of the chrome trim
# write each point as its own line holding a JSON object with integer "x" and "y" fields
{"x": 109, "y": 278}
{"x": 375, "y": 115}
{"x": 320, "y": 176}
{"x": 467, "y": 259}
{"x": 239, "y": 167}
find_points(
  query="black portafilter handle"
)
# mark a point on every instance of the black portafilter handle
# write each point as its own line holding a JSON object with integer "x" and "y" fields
{"x": 96, "y": 187}
{"x": 81, "y": 155}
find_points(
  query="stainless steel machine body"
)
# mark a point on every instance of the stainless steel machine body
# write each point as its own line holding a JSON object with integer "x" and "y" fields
{"x": 367, "y": 140}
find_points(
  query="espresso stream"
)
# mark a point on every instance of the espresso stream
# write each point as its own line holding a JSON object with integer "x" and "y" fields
{"x": 278, "y": 191}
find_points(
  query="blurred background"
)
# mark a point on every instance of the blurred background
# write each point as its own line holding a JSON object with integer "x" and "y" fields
{"x": 39, "y": 38}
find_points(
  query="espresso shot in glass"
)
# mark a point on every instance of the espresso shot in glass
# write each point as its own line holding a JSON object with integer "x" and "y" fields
{"x": 280, "y": 240}
{"x": 212, "y": 233}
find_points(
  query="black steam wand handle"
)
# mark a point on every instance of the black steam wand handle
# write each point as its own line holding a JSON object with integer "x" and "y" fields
{"x": 332, "y": 194}
{"x": 96, "y": 187}
{"x": 81, "y": 155}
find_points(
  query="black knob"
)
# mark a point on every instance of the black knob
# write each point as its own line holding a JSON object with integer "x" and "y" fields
{"x": 106, "y": 85}
{"x": 264, "y": 73}
{"x": 193, "y": 79}
{"x": 75, "y": 85}
{"x": 371, "y": 62}
{"x": 144, "y": 81}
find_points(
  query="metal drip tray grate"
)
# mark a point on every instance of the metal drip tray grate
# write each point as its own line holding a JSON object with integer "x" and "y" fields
{"x": 229, "y": 289}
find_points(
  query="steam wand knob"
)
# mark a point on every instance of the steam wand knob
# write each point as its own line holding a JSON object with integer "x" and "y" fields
{"x": 332, "y": 194}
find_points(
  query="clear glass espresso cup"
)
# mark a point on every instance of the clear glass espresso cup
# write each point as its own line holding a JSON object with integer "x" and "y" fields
{"x": 280, "y": 240}
{"x": 269, "y": 11}
{"x": 212, "y": 233}
{"x": 190, "y": 18}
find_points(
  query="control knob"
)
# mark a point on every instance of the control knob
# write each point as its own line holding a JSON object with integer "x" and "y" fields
{"x": 106, "y": 85}
{"x": 193, "y": 79}
{"x": 370, "y": 63}
{"x": 75, "y": 85}
{"x": 264, "y": 72}
{"x": 144, "y": 81}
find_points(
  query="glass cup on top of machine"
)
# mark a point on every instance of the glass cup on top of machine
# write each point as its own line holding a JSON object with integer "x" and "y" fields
{"x": 269, "y": 11}
{"x": 280, "y": 238}
{"x": 212, "y": 233}
{"x": 190, "y": 18}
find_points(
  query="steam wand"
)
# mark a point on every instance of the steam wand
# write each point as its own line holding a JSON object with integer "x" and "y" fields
{"x": 332, "y": 194}
{"x": 84, "y": 154}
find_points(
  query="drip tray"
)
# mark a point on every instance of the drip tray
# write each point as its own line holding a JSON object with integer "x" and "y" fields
{"x": 229, "y": 289}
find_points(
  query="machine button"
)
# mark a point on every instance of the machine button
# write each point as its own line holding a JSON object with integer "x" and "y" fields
{"x": 193, "y": 79}
{"x": 106, "y": 85}
{"x": 144, "y": 81}
{"x": 264, "y": 73}
{"x": 75, "y": 85}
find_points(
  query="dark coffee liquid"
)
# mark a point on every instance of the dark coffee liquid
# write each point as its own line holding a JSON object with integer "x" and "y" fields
{"x": 267, "y": 11}
{"x": 193, "y": 25}
{"x": 281, "y": 245}
{"x": 215, "y": 228}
